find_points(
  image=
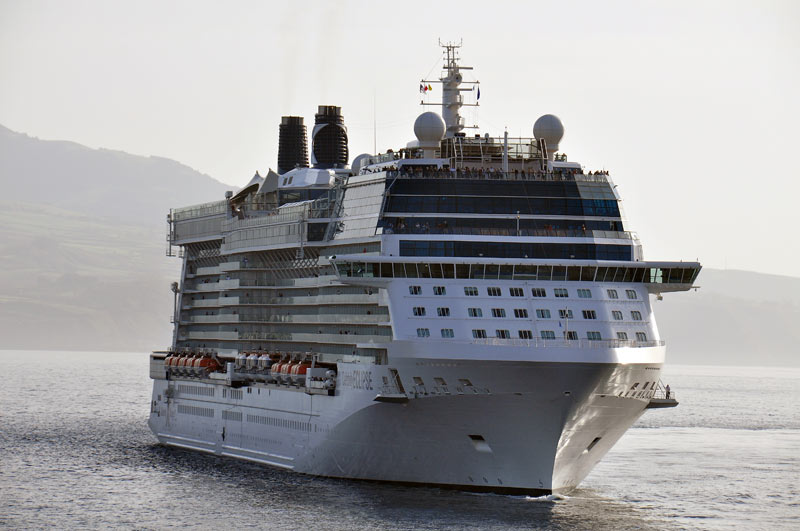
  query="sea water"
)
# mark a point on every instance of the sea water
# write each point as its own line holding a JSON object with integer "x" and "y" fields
{"x": 76, "y": 452}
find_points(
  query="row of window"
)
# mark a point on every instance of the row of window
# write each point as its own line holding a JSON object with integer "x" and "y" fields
{"x": 551, "y": 251}
{"x": 684, "y": 274}
{"x": 527, "y": 206}
{"x": 522, "y": 313}
{"x": 493, "y": 291}
{"x": 592, "y": 335}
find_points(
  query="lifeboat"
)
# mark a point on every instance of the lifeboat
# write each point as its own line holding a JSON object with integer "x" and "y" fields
{"x": 195, "y": 369}
{"x": 178, "y": 362}
{"x": 241, "y": 361}
{"x": 275, "y": 371}
{"x": 285, "y": 371}
{"x": 299, "y": 372}
{"x": 252, "y": 361}
{"x": 264, "y": 362}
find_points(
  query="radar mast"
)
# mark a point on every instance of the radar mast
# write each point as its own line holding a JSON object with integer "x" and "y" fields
{"x": 451, "y": 80}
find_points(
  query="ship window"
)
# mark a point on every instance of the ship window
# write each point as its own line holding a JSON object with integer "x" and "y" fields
{"x": 521, "y": 313}
{"x": 538, "y": 292}
{"x": 447, "y": 333}
{"x": 439, "y": 381}
{"x": 516, "y": 292}
{"x": 593, "y": 335}
{"x": 493, "y": 292}
{"x": 612, "y": 294}
{"x": 471, "y": 291}
{"x": 502, "y": 334}
{"x": 498, "y": 312}
{"x": 415, "y": 290}
{"x": 561, "y": 292}
{"x": 585, "y": 293}
{"x": 617, "y": 315}
{"x": 548, "y": 334}
{"x": 641, "y": 336}
{"x": 443, "y": 312}
{"x": 439, "y": 290}
{"x": 418, "y": 381}
{"x": 465, "y": 382}
{"x": 589, "y": 314}
{"x": 631, "y": 294}
{"x": 419, "y": 311}
{"x": 423, "y": 332}
{"x": 543, "y": 313}
{"x": 570, "y": 334}
{"x": 479, "y": 334}
{"x": 475, "y": 312}
{"x": 525, "y": 334}
{"x": 622, "y": 336}
{"x": 636, "y": 315}
{"x": 565, "y": 314}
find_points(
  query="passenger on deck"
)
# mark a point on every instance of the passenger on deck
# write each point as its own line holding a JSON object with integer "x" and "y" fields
{"x": 668, "y": 391}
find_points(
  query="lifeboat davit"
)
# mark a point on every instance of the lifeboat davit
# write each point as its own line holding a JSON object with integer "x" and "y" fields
{"x": 205, "y": 365}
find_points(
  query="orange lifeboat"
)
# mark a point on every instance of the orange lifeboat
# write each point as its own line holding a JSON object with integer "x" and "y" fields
{"x": 285, "y": 371}
{"x": 299, "y": 372}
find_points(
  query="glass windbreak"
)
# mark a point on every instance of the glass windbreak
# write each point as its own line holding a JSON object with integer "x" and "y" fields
{"x": 647, "y": 275}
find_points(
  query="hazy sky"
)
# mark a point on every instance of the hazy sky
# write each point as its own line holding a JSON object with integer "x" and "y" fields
{"x": 692, "y": 106}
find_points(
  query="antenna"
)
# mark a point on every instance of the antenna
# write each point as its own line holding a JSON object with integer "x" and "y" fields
{"x": 451, "y": 80}
{"x": 374, "y": 125}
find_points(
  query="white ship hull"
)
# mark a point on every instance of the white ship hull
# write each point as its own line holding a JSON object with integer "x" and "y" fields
{"x": 533, "y": 427}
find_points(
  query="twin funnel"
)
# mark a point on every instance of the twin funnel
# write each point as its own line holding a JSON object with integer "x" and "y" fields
{"x": 328, "y": 139}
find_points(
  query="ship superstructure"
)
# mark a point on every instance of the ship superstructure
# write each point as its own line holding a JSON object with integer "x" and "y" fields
{"x": 468, "y": 311}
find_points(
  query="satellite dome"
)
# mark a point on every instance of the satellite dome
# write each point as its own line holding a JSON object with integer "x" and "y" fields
{"x": 549, "y": 128}
{"x": 429, "y": 128}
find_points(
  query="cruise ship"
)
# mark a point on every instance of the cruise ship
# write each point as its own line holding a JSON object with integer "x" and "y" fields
{"x": 467, "y": 311}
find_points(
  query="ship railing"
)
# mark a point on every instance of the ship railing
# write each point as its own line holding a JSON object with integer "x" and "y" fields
{"x": 566, "y": 343}
{"x": 271, "y": 218}
{"x": 199, "y": 211}
{"x": 484, "y": 174}
{"x": 660, "y": 392}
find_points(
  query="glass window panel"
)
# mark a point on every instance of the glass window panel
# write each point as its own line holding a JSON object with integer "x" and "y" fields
{"x": 545, "y": 272}
{"x": 462, "y": 271}
{"x": 573, "y": 273}
{"x": 448, "y": 271}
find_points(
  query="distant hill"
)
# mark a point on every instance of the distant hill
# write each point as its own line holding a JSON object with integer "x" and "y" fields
{"x": 99, "y": 182}
{"x": 734, "y": 318}
{"x": 82, "y": 244}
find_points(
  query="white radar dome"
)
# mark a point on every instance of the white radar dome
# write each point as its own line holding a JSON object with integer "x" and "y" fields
{"x": 429, "y": 128}
{"x": 549, "y": 128}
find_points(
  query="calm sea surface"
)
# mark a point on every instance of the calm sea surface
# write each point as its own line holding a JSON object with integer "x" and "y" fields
{"x": 75, "y": 452}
